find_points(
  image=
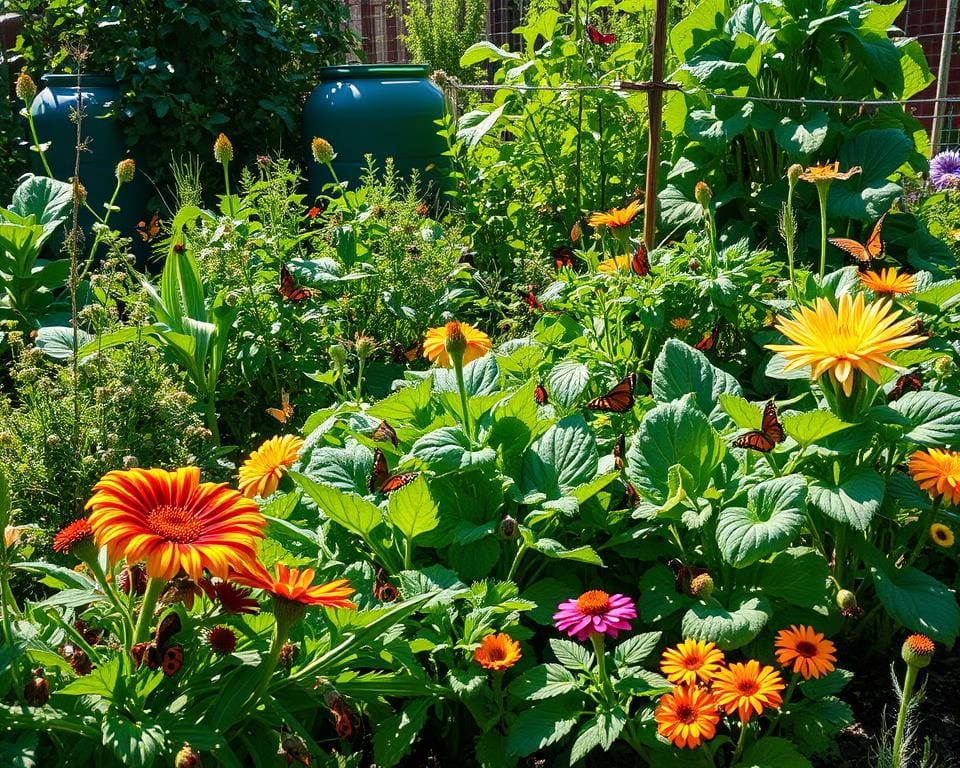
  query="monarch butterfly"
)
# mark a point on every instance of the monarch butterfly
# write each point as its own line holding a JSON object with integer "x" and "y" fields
{"x": 863, "y": 254}
{"x": 284, "y": 413}
{"x": 400, "y": 355}
{"x": 769, "y": 434}
{"x": 149, "y": 231}
{"x": 562, "y": 257}
{"x": 381, "y": 481}
{"x": 684, "y": 574}
{"x": 598, "y": 38}
{"x": 640, "y": 263}
{"x": 289, "y": 289}
{"x": 576, "y": 231}
{"x": 617, "y": 400}
{"x": 909, "y": 382}
{"x": 708, "y": 341}
{"x": 385, "y": 432}
{"x": 631, "y": 495}
{"x": 540, "y": 394}
{"x": 618, "y": 450}
{"x": 383, "y": 590}
{"x": 531, "y": 300}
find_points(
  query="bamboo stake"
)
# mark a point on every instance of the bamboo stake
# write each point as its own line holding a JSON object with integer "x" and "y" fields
{"x": 655, "y": 116}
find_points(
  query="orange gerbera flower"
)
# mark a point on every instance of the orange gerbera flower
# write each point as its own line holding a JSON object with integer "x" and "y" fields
{"x": 937, "y": 471}
{"x": 687, "y": 716}
{"x": 71, "y": 535}
{"x": 260, "y": 474}
{"x": 748, "y": 689}
{"x": 809, "y": 653}
{"x": 827, "y": 172}
{"x": 690, "y": 660}
{"x": 475, "y": 343}
{"x": 174, "y": 522}
{"x": 497, "y": 652}
{"x": 888, "y": 282}
{"x": 616, "y": 217}
{"x": 294, "y": 585}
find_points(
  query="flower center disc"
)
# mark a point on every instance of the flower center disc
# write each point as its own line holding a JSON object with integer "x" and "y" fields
{"x": 692, "y": 662}
{"x": 747, "y": 688}
{"x": 174, "y": 524}
{"x": 594, "y": 603}
{"x": 685, "y": 714}
{"x": 806, "y": 649}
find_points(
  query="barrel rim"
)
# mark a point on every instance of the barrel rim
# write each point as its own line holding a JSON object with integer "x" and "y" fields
{"x": 369, "y": 71}
{"x": 59, "y": 80}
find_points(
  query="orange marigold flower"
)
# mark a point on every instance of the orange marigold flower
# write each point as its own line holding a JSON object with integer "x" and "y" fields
{"x": 260, "y": 474}
{"x": 937, "y": 471}
{"x": 616, "y": 217}
{"x": 827, "y": 172}
{"x": 295, "y": 585}
{"x": 497, "y": 652}
{"x": 888, "y": 282}
{"x": 436, "y": 345}
{"x": 806, "y": 650}
{"x": 174, "y": 522}
{"x": 747, "y": 689}
{"x": 690, "y": 660}
{"x": 71, "y": 535}
{"x": 687, "y": 716}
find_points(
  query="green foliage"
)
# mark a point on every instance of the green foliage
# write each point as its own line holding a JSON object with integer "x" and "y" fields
{"x": 258, "y": 59}
{"x": 440, "y": 31}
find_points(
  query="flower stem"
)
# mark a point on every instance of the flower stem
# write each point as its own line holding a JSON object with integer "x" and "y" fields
{"x": 281, "y": 630}
{"x": 603, "y": 679}
{"x": 908, "y": 683}
{"x": 36, "y": 143}
{"x": 823, "y": 191}
{"x": 150, "y": 596}
{"x": 226, "y": 184}
{"x": 926, "y": 520}
{"x": 786, "y": 698}
{"x": 464, "y": 402}
{"x": 740, "y": 742}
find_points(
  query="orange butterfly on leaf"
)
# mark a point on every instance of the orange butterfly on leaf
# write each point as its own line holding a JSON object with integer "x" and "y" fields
{"x": 766, "y": 438}
{"x": 540, "y": 394}
{"x": 631, "y": 495}
{"x": 284, "y": 413}
{"x": 617, "y": 400}
{"x": 149, "y": 230}
{"x": 381, "y": 481}
{"x": 708, "y": 341}
{"x": 863, "y": 254}
{"x": 911, "y": 381}
{"x": 158, "y": 653}
{"x": 640, "y": 263}
{"x": 385, "y": 432}
{"x": 290, "y": 289}
{"x": 383, "y": 590}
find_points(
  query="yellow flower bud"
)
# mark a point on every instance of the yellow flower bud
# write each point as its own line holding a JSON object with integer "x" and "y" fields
{"x": 222, "y": 149}
{"x": 126, "y": 169}
{"x": 26, "y": 89}
{"x": 322, "y": 150}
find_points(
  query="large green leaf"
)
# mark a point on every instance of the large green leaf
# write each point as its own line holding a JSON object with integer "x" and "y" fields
{"x": 135, "y": 744}
{"x": 811, "y": 427}
{"x": 353, "y": 512}
{"x": 474, "y": 125}
{"x": 485, "y": 51}
{"x": 601, "y": 730}
{"x": 774, "y": 515}
{"x": 567, "y": 381}
{"x": 673, "y": 433}
{"x": 800, "y": 140}
{"x": 412, "y": 509}
{"x": 564, "y": 457}
{"x": 935, "y": 417}
{"x": 798, "y": 575}
{"x": 854, "y": 501}
{"x": 48, "y": 200}
{"x": 395, "y": 735}
{"x": 729, "y": 629}
{"x": 681, "y": 369}
{"x": 544, "y": 682}
{"x": 543, "y": 725}
{"x": 447, "y": 449}
{"x": 773, "y": 752}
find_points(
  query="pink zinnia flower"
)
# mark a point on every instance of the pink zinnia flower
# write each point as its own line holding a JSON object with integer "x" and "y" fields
{"x": 595, "y": 612}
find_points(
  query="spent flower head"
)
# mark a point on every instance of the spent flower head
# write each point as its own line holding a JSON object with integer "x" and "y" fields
{"x": 222, "y": 149}
{"x": 125, "y": 171}
{"x": 25, "y": 88}
{"x": 322, "y": 150}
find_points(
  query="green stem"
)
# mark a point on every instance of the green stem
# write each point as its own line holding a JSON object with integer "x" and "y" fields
{"x": 823, "y": 191}
{"x": 740, "y": 742}
{"x": 516, "y": 561}
{"x": 93, "y": 563}
{"x": 36, "y": 143}
{"x": 908, "y": 684}
{"x": 150, "y": 596}
{"x": 786, "y": 698}
{"x": 407, "y": 554}
{"x": 210, "y": 411}
{"x": 464, "y": 402}
{"x": 603, "y": 679}
{"x": 359, "y": 379}
{"x": 925, "y": 522}
{"x": 281, "y": 630}
{"x": 789, "y": 232}
{"x": 226, "y": 184}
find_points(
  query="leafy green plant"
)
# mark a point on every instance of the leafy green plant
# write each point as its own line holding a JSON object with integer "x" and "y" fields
{"x": 438, "y": 33}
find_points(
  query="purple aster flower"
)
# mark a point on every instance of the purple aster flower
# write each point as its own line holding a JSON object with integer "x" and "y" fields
{"x": 945, "y": 170}
{"x": 595, "y": 612}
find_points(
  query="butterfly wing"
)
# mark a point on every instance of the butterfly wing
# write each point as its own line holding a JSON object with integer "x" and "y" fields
{"x": 875, "y": 245}
{"x": 395, "y": 482}
{"x": 531, "y": 300}
{"x": 598, "y": 38}
{"x": 149, "y": 230}
{"x": 617, "y": 400}
{"x": 380, "y": 473}
{"x": 708, "y": 341}
{"x": 856, "y": 250}
{"x": 631, "y": 495}
{"x": 172, "y": 660}
{"x": 770, "y": 426}
{"x": 284, "y": 413}
{"x": 385, "y": 432}
{"x": 289, "y": 289}
{"x": 540, "y": 394}
{"x": 909, "y": 382}
{"x": 756, "y": 441}
{"x": 618, "y": 452}
{"x": 640, "y": 264}
{"x": 168, "y": 628}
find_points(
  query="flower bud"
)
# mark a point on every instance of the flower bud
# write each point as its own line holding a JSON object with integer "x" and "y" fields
{"x": 26, "y": 89}
{"x": 338, "y": 354}
{"x": 231, "y": 299}
{"x": 703, "y": 193}
{"x": 364, "y": 346}
{"x": 793, "y": 173}
{"x": 701, "y": 587}
{"x": 222, "y": 640}
{"x": 456, "y": 342}
{"x": 288, "y": 654}
{"x": 423, "y": 210}
{"x": 693, "y": 265}
{"x": 125, "y": 171}
{"x": 37, "y": 690}
{"x": 917, "y": 651}
{"x": 508, "y": 528}
{"x": 187, "y": 757}
{"x": 847, "y": 603}
{"x": 322, "y": 150}
{"x": 943, "y": 366}
{"x": 222, "y": 149}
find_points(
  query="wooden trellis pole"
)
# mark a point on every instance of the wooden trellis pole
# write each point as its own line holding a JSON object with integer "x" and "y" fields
{"x": 943, "y": 74}
{"x": 655, "y": 117}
